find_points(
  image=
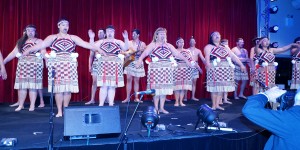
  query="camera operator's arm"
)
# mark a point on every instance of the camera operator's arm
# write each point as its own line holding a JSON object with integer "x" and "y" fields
{"x": 274, "y": 121}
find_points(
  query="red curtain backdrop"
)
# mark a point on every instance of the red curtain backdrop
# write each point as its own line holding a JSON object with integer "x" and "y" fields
{"x": 185, "y": 18}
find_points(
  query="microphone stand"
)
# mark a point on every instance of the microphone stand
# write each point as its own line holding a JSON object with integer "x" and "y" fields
{"x": 50, "y": 141}
{"x": 124, "y": 137}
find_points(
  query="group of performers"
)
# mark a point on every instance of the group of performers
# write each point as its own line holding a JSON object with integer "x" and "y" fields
{"x": 170, "y": 70}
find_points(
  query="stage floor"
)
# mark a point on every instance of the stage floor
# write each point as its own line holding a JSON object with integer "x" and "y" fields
{"x": 32, "y": 128}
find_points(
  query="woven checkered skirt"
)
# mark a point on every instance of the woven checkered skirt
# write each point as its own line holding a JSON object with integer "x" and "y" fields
{"x": 95, "y": 66}
{"x": 239, "y": 75}
{"x": 66, "y": 75}
{"x": 295, "y": 84}
{"x": 220, "y": 78}
{"x": 110, "y": 71}
{"x": 195, "y": 73}
{"x": 134, "y": 71}
{"x": 160, "y": 77}
{"x": 182, "y": 77}
{"x": 265, "y": 75}
{"x": 29, "y": 73}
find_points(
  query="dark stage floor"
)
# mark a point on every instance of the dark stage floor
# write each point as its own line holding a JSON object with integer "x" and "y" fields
{"x": 32, "y": 129}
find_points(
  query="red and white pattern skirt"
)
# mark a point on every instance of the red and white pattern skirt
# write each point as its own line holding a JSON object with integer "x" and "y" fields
{"x": 295, "y": 84}
{"x": 133, "y": 71}
{"x": 160, "y": 77}
{"x": 29, "y": 73}
{"x": 182, "y": 77}
{"x": 95, "y": 67}
{"x": 110, "y": 71}
{"x": 195, "y": 73}
{"x": 239, "y": 75}
{"x": 66, "y": 75}
{"x": 265, "y": 75}
{"x": 220, "y": 78}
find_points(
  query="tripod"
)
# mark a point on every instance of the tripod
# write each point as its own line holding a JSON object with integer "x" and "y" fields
{"x": 124, "y": 138}
{"x": 50, "y": 141}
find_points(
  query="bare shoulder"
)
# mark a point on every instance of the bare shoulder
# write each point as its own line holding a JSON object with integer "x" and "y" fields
{"x": 208, "y": 47}
{"x": 39, "y": 40}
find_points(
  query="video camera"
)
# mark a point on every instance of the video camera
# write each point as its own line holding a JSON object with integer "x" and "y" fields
{"x": 286, "y": 100}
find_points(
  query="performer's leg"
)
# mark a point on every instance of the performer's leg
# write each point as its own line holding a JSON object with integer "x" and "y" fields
{"x": 32, "y": 98}
{"x": 42, "y": 102}
{"x": 93, "y": 91}
{"x": 243, "y": 86}
{"x": 177, "y": 96}
{"x": 236, "y": 89}
{"x": 185, "y": 96}
{"x": 128, "y": 88}
{"x": 111, "y": 95}
{"x": 194, "y": 90}
{"x": 67, "y": 98}
{"x": 225, "y": 99}
{"x": 59, "y": 102}
{"x": 181, "y": 96}
{"x": 136, "y": 81}
{"x": 21, "y": 98}
{"x": 156, "y": 100}
{"x": 213, "y": 100}
{"x": 162, "y": 104}
{"x": 219, "y": 99}
{"x": 102, "y": 95}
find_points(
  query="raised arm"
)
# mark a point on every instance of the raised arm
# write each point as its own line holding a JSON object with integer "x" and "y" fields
{"x": 177, "y": 54}
{"x": 124, "y": 45}
{"x": 2, "y": 68}
{"x": 283, "y": 49}
{"x": 42, "y": 45}
{"x": 200, "y": 55}
{"x": 11, "y": 55}
{"x": 92, "y": 53}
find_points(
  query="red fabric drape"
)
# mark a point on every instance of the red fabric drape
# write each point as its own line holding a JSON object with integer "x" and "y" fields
{"x": 185, "y": 18}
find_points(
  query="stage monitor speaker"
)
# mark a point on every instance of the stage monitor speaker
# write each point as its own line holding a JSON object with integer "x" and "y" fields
{"x": 91, "y": 120}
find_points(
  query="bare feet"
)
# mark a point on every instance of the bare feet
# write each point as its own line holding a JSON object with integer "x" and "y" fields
{"x": 236, "y": 98}
{"x": 163, "y": 111}
{"x": 181, "y": 104}
{"x": 243, "y": 97}
{"x": 31, "y": 109}
{"x": 176, "y": 104}
{"x": 125, "y": 101}
{"x": 90, "y": 102}
{"x": 219, "y": 107}
{"x": 185, "y": 100}
{"x": 138, "y": 100}
{"x": 41, "y": 105}
{"x": 227, "y": 102}
{"x": 19, "y": 108}
{"x": 14, "y": 105}
{"x": 58, "y": 115}
{"x": 195, "y": 99}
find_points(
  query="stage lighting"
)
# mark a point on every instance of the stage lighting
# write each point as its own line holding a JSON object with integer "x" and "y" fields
{"x": 207, "y": 115}
{"x": 273, "y": 10}
{"x": 273, "y": 0}
{"x": 274, "y": 29}
{"x": 149, "y": 119}
{"x": 274, "y": 45}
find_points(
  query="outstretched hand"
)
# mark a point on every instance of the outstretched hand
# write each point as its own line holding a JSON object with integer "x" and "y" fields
{"x": 91, "y": 34}
{"x": 125, "y": 34}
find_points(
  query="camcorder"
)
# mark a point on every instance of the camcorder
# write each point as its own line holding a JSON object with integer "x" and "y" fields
{"x": 286, "y": 100}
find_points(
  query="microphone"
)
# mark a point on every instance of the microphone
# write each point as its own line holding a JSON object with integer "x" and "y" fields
{"x": 152, "y": 91}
